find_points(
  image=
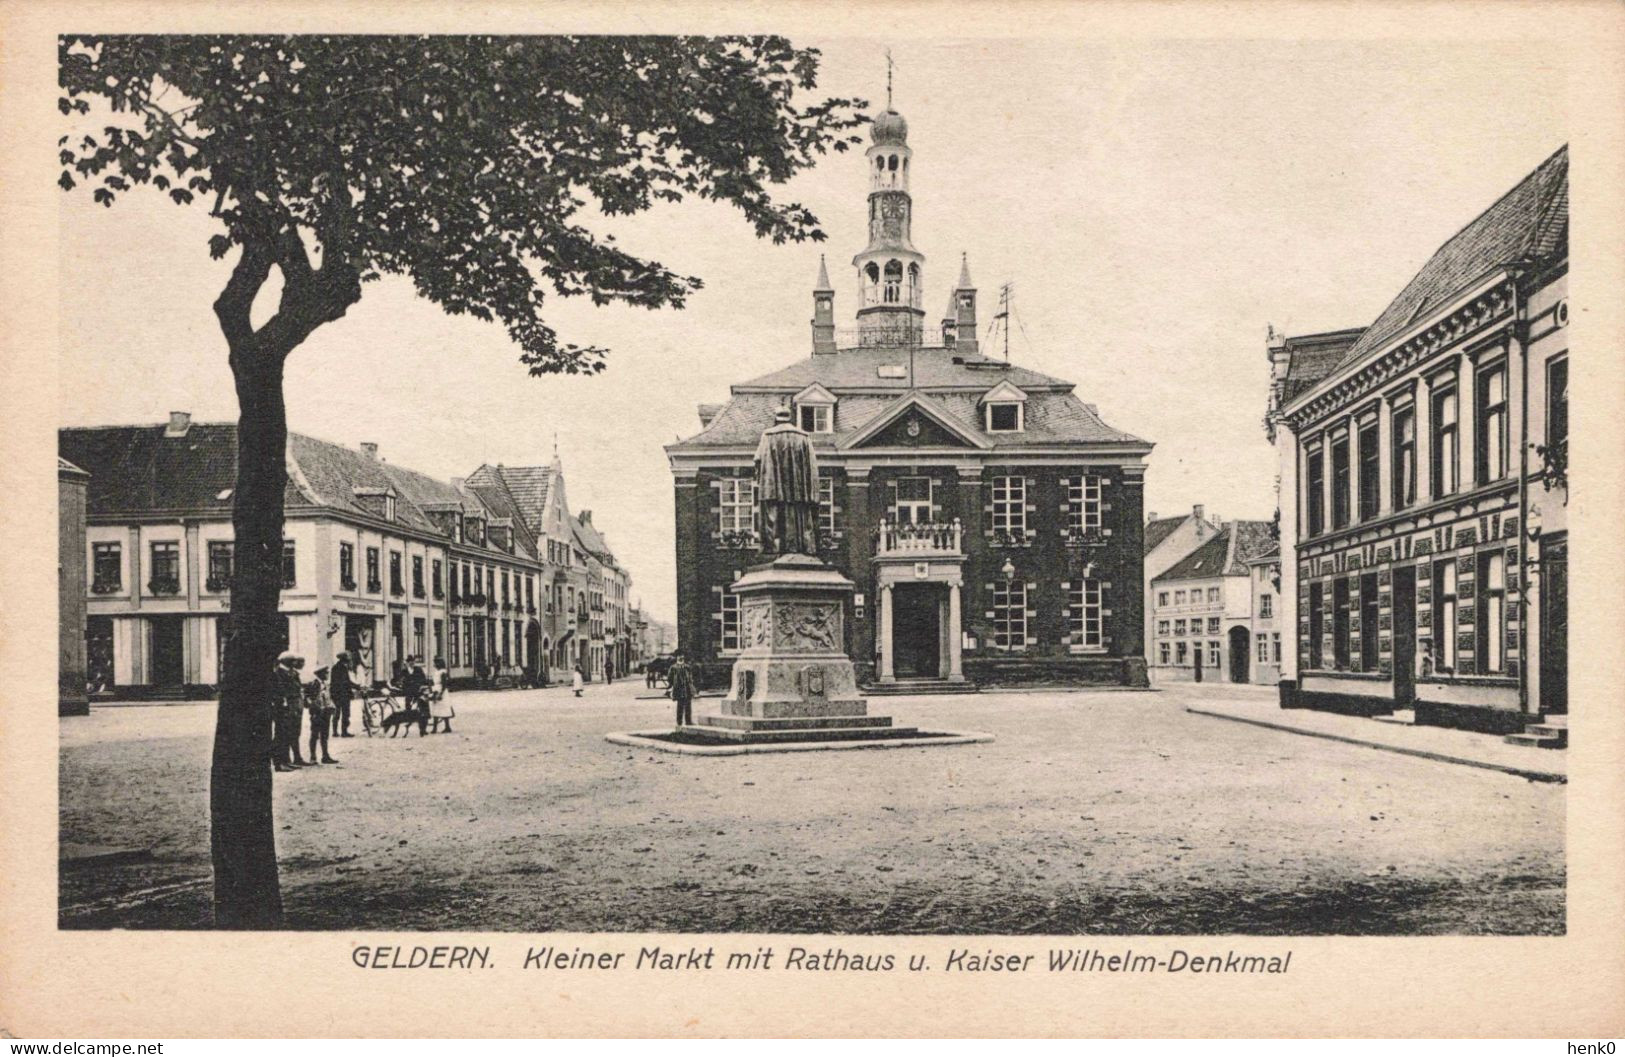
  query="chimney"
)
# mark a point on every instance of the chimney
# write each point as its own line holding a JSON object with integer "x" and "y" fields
{"x": 369, "y": 448}
{"x": 1196, "y": 512}
{"x": 585, "y": 517}
{"x": 179, "y": 423}
{"x": 1151, "y": 516}
{"x": 457, "y": 483}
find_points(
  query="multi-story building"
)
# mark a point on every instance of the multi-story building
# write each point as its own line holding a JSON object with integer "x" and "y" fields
{"x": 71, "y": 483}
{"x": 1168, "y": 540}
{"x": 378, "y": 560}
{"x": 1202, "y": 607}
{"x": 989, "y": 517}
{"x": 1423, "y": 483}
{"x": 1265, "y": 572}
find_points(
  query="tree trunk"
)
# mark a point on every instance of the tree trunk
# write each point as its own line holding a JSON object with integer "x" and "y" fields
{"x": 243, "y": 835}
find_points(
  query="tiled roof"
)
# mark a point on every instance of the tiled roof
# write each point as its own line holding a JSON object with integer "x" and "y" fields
{"x": 527, "y": 486}
{"x": 590, "y": 540}
{"x": 1226, "y": 554}
{"x": 1159, "y": 530}
{"x": 933, "y": 368}
{"x": 1529, "y": 222}
{"x": 136, "y": 469}
{"x": 1050, "y": 418}
{"x": 1207, "y": 560}
{"x": 1312, "y": 357}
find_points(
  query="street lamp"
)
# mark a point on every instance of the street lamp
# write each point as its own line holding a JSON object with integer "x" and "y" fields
{"x": 1009, "y": 570}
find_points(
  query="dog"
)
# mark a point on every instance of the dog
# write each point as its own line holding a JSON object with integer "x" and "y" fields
{"x": 405, "y": 718}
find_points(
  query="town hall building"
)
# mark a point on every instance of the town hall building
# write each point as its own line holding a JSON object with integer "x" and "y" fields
{"x": 990, "y": 518}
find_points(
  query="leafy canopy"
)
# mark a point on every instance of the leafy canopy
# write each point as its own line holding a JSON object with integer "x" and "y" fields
{"x": 463, "y": 162}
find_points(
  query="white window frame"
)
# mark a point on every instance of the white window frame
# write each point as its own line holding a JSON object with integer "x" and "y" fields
{"x": 1085, "y": 622}
{"x": 1266, "y": 607}
{"x": 826, "y": 506}
{"x": 1212, "y": 625}
{"x": 728, "y": 629}
{"x": 1083, "y": 504}
{"x": 736, "y": 505}
{"x": 1215, "y": 657}
{"x": 823, "y": 418}
{"x": 1010, "y": 616}
{"x": 1021, "y": 415}
{"x": 919, "y": 509}
{"x": 1162, "y": 652}
{"x": 1010, "y": 505}
{"x": 1263, "y": 648}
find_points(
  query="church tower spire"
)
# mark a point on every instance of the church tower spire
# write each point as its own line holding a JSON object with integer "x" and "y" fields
{"x": 891, "y": 271}
{"x": 823, "y": 321}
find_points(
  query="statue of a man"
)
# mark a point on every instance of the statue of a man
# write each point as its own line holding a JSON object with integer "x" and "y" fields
{"x": 787, "y": 488}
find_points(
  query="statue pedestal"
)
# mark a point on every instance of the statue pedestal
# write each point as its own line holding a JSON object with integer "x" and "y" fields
{"x": 793, "y": 680}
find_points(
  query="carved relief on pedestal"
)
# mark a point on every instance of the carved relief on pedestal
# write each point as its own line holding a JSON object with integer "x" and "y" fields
{"x": 807, "y": 626}
{"x": 758, "y": 624}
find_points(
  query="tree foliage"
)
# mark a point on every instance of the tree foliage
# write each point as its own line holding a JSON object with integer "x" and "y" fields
{"x": 466, "y": 163}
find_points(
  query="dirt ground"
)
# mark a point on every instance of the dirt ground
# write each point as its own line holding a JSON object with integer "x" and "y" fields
{"x": 1094, "y": 812}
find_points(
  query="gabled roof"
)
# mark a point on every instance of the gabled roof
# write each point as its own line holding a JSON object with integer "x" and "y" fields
{"x": 1226, "y": 554}
{"x": 814, "y": 394}
{"x": 1528, "y": 223}
{"x": 591, "y": 540}
{"x": 527, "y": 487}
{"x": 1311, "y": 357}
{"x": 1004, "y": 392}
{"x": 1160, "y": 529}
{"x": 929, "y": 408}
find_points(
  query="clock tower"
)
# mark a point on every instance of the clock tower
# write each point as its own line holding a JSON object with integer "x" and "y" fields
{"x": 890, "y": 270}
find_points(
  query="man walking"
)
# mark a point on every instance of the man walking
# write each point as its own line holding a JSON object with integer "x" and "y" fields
{"x": 682, "y": 690}
{"x": 609, "y": 670}
{"x": 341, "y": 689}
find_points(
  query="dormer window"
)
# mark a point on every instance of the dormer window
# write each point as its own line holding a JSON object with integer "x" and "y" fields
{"x": 1004, "y": 409}
{"x": 815, "y": 409}
{"x": 389, "y": 507}
{"x": 1004, "y": 418}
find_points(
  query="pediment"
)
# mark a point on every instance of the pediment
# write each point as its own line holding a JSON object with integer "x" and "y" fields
{"x": 814, "y": 394}
{"x": 914, "y": 422}
{"x": 1005, "y": 393}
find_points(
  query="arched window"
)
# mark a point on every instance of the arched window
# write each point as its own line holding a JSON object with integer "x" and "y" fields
{"x": 880, "y": 161}
{"x": 891, "y": 163}
{"x": 894, "y": 281}
{"x": 871, "y": 272}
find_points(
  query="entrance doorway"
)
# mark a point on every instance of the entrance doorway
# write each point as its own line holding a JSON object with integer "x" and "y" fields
{"x": 1404, "y": 637}
{"x": 358, "y": 643}
{"x": 916, "y": 631}
{"x": 1239, "y": 655}
{"x": 168, "y": 660}
{"x": 1554, "y": 625}
{"x": 535, "y": 655}
{"x": 99, "y": 653}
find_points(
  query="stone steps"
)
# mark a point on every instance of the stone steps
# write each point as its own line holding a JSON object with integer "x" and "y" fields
{"x": 918, "y": 686}
{"x": 768, "y": 736}
{"x": 793, "y": 722}
{"x": 1546, "y": 732}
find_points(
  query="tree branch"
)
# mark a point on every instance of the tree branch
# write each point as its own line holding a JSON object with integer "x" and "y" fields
{"x": 236, "y": 302}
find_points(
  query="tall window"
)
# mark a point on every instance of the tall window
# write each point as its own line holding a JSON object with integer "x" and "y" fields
{"x": 440, "y": 640}
{"x": 1492, "y": 603}
{"x": 1266, "y": 606}
{"x": 417, "y": 576}
{"x": 1179, "y": 627}
{"x": 107, "y": 568}
{"x": 1316, "y": 474}
{"x": 1340, "y": 482}
{"x": 728, "y": 622}
{"x": 1368, "y": 622}
{"x": 1010, "y": 505}
{"x": 530, "y": 594}
{"x": 436, "y": 583}
{"x": 1213, "y": 658}
{"x": 166, "y": 569}
{"x": 1212, "y": 625}
{"x": 1444, "y": 615}
{"x": 1275, "y": 646}
{"x": 220, "y": 566}
{"x": 1340, "y": 623}
{"x": 347, "y": 566}
{"x": 1083, "y": 614}
{"x": 1370, "y": 472}
{"x": 1404, "y": 457}
{"x": 1162, "y": 652}
{"x": 1213, "y": 594}
{"x": 395, "y": 585}
{"x": 505, "y": 601}
{"x": 1180, "y": 652}
{"x": 373, "y": 583}
{"x": 913, "y": 505}
{"x": 466, "y": 590}
{"x": 1263, "y": 648}
{"x": 1317, "y": 622}
{"x": 454, "y": 655}
{"x": 1083, "y": 504}
{"x": 1490, "y": 424}
{"x": 826, "y": 507}
{"x": 417, "y": 636}
{"x": 290, "y": 567}
{"x": 737, "y": 500}
{"x": 1557, "y": 405}
{"x": 1010, "y": 615}
{"x": 1446, "y": 443}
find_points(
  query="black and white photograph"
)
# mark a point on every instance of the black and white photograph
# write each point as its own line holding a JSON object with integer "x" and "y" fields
{"x": 817, "y": 489}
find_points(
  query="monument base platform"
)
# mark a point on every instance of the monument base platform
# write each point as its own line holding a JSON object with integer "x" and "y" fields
{"x": 698, "y": 741}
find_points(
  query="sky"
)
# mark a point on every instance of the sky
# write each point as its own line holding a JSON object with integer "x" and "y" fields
{"x": 1155, "y": 204}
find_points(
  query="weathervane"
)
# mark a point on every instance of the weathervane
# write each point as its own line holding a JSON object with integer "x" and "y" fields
{"x": 888, "y": 78}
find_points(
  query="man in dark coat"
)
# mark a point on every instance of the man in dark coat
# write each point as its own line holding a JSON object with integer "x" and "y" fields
{"x": 682, "y": 690}
{"x": 342, "y": 690}
{"x": 287, "y": 705}
{"x": 787, "y": 488}
{"x": 413, "y": 685}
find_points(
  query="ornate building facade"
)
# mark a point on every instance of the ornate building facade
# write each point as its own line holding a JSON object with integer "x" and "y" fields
{"x": 989, "y": 517}
{"x": 1424, "y": 485}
